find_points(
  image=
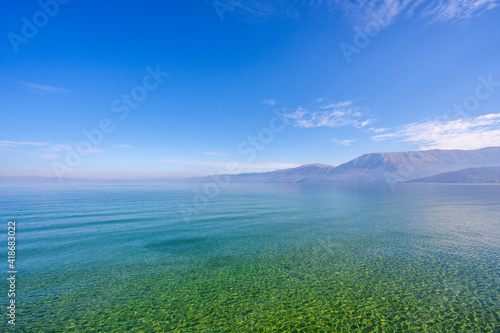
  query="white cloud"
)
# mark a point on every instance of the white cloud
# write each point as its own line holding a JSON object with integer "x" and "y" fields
{"x": 378, "y": 130}
{"x": 4, "y": 143}
{"x": 338, "y": 105}
{"x": 466, "y": 133}
{"x": 270, "y": 102}
{"x": 338, "y": 114}
{"x": 125, "y": 146}
{"x": 366, "y": 11}
{"x": 244, "y": 165}
{"x": 66, "y": 147}
{"x": 364, "y": 123}
{"x": 453, "y": 10}
{"x": 43, "y": 146}
{"x": 363, "y": 12}
{"x": 43, "y": 89}
{"x": 343, "y": 142}
{"x": 211, "y": 153}
{"x": 58, "y": 147}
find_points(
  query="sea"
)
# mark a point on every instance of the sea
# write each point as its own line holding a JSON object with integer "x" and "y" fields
{"x": 251, "y": 258}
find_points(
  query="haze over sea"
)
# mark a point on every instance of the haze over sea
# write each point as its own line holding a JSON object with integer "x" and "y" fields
{"x": 273, "y": 257}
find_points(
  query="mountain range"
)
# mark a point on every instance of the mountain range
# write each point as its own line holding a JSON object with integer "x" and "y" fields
{"x": 377, "y": 168}
{"x": 418, "y": 166}
{"x": 471, "y": 175}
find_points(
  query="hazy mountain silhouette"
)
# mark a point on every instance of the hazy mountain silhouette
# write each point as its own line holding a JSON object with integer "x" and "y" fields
{"x": 471, "y": 175}
{"x": 378, "y": 167}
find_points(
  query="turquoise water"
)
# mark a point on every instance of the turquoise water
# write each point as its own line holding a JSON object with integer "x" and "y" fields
{"x": 256, "y": 258}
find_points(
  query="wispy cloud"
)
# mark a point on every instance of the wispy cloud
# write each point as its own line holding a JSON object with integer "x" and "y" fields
{"x": 211, "y": 153}
{"x": 248, "y": 9}
{"x": 466, "y": 133}
{"x": 454, "y": 10}
{"x": 14, "y": 144}
{"x": 378, "y": 130}
{"x": 270, "y": 102}
{"x": 365, "y": 11}
{"x": 244, "y": 165}
{"x": 43, "y": 89}
{"x": 66, "y": 147}
{"x": 58, "y": 147}
{"x": 5, "y": 145}
{"x": 338, "y": 114}
{"x": 343, "y": 142}
{"x": 124, "y": 146}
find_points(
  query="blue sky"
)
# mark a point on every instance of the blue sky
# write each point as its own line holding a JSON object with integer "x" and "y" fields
{"x": 174, "y": 89}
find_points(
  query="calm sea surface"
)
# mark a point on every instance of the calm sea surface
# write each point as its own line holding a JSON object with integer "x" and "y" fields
{"x": 254, "y": 258}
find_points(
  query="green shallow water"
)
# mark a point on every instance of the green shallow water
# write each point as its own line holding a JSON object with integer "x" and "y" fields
{"x": 259, "y": 259}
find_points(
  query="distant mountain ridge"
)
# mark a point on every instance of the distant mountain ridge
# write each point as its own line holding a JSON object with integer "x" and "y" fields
{"x": 369, "y": 168}
{"x": 379, "y": 167}
{"x": 471, "y": 175}
{"x": 293, "y": 175}
{"x": 404, "y": 166}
